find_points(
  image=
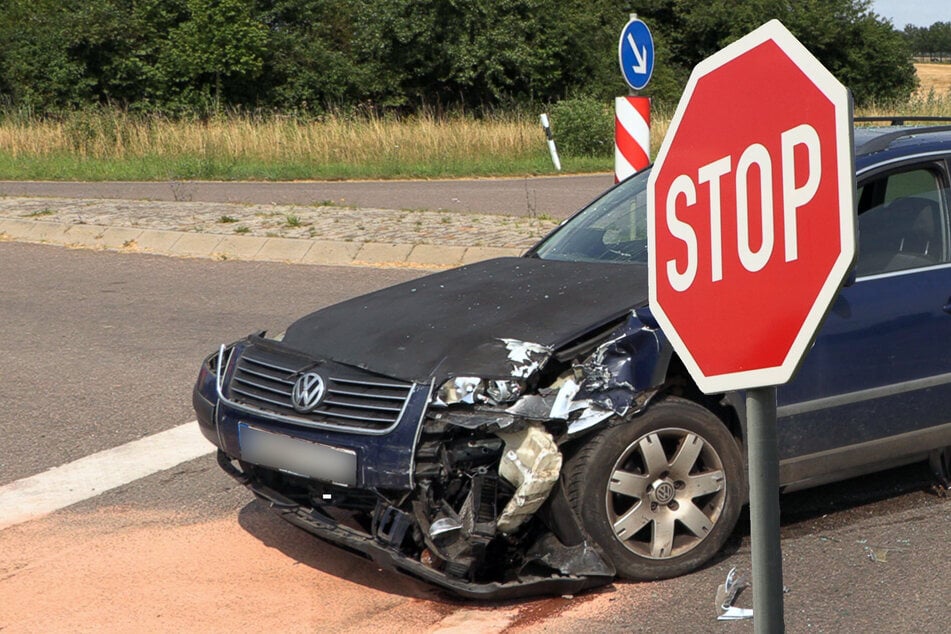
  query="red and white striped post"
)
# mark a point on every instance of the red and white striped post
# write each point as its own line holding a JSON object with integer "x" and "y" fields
{"x": 632, "y": 135}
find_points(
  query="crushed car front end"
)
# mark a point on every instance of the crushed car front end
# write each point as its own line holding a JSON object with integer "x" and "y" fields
{"x": 451, "y": 477}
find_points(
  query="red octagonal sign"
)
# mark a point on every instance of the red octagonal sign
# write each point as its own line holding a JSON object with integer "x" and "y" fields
{"x": 751, "y": 224}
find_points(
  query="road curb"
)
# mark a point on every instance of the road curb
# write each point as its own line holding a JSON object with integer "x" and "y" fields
{"x": 251, "y": 248}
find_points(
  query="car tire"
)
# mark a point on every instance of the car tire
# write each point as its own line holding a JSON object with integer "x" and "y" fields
{"x": 659, "y": 493}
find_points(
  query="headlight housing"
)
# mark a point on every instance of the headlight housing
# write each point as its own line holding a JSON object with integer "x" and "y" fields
{"x": 473, "y": 390}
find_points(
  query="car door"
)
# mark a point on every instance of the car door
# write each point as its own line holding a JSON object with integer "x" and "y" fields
{"x": 877, "y": 384}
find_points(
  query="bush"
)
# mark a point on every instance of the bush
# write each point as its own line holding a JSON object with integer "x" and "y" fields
{"x": 583, "y": 126}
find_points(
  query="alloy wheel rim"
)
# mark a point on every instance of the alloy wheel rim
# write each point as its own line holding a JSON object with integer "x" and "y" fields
{"x": 665, "y": 493}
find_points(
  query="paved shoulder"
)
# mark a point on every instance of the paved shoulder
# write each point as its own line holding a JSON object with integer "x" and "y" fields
{"x": 556, "y": 196}
{"x": 316, "y": 234}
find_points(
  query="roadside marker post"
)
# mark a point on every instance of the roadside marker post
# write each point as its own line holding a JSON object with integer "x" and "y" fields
{"x": 552, "y": 150}
{"x": 632, "y": 136}
{"x": 753, "y": 219}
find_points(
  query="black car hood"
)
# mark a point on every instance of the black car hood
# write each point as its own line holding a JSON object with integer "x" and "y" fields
{"x": 453, "y": 323}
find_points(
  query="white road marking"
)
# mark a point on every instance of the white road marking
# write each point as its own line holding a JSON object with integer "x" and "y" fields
{"x": 39, "y": 495}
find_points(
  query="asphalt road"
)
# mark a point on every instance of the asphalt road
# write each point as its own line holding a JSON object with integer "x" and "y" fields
{"x": 102, "y": 348}
{"x": 556, "y": 196}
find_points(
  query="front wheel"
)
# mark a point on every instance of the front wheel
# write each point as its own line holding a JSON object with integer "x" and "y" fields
{"x": 661, "y": 493}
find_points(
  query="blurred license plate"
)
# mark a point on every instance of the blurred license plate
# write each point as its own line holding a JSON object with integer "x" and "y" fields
{"x": 296, "y": 456}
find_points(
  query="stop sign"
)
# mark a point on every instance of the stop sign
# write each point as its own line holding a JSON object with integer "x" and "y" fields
{"x": 751, "y": 225}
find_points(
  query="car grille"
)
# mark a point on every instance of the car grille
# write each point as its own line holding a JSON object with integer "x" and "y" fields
{"x": 264, "y": 381}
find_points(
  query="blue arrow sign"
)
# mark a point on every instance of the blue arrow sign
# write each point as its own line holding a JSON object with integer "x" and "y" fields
{"x": 636, "y": 54}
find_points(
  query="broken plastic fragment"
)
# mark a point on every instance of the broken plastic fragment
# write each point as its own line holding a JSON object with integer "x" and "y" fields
{"x": 562, "y": 405}
{"x": 531, "y": 461}
{"x": 877, "y": 553}
{"x": 591, "y": 416}
{"x": 444, "y": 525}
{"x": 533, "y": 406}
{"x": 735, "y": 614}
{"x": 726, "y": 595}
{"x": 581, "y": 559}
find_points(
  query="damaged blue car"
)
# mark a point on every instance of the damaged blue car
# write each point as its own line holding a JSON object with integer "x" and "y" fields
{"x": 521, "y": 426}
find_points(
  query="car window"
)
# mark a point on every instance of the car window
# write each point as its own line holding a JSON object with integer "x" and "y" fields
{"x": 903, "y": 222}
{"x": 611, "y": 229}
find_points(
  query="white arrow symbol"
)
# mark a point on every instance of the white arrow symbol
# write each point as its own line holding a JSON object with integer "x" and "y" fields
{"x": 641, "y": 55}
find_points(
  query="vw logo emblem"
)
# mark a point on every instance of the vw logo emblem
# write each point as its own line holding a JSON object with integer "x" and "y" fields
{"x": 307, "y": 392}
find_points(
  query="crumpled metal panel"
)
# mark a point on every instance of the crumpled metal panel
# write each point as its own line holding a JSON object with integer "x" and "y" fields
{"x": 622, "y": 372}
{"x": 526, "y": 357}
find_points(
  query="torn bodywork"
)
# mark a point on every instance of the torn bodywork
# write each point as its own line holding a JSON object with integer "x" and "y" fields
{"x": 561, "y": 395}
{"x": 461, "y": 485}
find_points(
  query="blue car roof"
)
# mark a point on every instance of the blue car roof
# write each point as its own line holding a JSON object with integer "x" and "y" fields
{"x": 877, "y": 144}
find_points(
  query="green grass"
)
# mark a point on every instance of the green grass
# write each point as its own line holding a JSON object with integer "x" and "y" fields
{"x": 66, "y": 167}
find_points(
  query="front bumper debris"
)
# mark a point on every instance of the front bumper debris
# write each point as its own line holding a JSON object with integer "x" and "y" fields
{"x": 376, "y": 549}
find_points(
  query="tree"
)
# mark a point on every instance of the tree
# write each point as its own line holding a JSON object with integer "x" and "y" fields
{"x": 310, "y": 62}
{"x": 860, "y": 48}
{"x": 487, "y": 53}
{"x": 57, "y": 55}
{"x": 197, "y": 55}
{"x": 221, "y": 41}
{"x": 37, "y": 67}
{"x": 929, "y": 40}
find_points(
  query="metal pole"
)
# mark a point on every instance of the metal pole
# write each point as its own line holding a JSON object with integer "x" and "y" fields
{"x": 764, "y": 511}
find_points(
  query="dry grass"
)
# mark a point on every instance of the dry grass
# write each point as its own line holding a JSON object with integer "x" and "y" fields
{"x": 930, "y": 105}
{"x": 330, "y": 140}
{"x": 115, "y": 145}
{"x": 934, "y": 79}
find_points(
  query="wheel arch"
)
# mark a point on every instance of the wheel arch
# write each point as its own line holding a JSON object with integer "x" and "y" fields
{"x": 674, "y": 379}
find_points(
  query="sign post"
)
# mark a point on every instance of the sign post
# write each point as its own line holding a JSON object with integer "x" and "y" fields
{"x": 763, "y": 457}
{"x": 632, "y": 114}
{"x": 751, "y": 232}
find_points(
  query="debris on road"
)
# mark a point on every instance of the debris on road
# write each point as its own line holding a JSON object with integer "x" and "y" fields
{"x": 877, "y": 554}
{"x": 726, "y": 596}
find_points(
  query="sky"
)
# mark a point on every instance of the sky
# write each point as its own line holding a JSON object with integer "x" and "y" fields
{"x": 917, "y": 12}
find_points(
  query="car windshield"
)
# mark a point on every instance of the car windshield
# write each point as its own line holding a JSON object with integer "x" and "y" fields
{"x": 611, "y": 229}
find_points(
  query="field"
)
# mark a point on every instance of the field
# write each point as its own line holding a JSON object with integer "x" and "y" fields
{"x": 934, "y": 77}
{"x": 116, "y": 145}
